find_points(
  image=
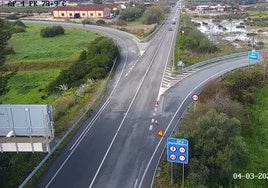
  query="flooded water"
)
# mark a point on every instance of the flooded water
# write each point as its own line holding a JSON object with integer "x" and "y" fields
{"x": 230, "y": 31}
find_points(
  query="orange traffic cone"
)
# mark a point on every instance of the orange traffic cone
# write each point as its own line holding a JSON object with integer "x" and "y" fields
{"x": 160, "y": 133}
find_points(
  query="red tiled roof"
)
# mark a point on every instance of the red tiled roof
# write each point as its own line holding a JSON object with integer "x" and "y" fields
{"x": 85, "y": 7}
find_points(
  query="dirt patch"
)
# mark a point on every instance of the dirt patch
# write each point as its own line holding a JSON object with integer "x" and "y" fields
{"x": 141, "y": 30}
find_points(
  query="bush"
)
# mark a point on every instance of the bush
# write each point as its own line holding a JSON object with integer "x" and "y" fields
{"x": 62, "y": 105}
{"x": 52, "y": 31}
{"x": 18, "y": 29}
{"x": 242, "y": 83}
{"x": 93, "y": 64}
{"x": 100, "y": 22}
{"x": 19, "y": 23}
{"x": 12, "y": 17}
{"x": 87, "y": 21}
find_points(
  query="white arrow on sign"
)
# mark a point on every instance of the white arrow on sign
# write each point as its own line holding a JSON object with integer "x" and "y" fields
{"x": 172, "y": 157}
{"x": 172, "y": 148}
{"x": 182, "y": 158}
{"x": 182, "y": 149}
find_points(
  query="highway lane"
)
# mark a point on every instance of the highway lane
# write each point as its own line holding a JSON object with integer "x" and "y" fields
{"x": 176, "y": 101}
{"x": 120, "y": 149}
{"x": 76, "y": 167}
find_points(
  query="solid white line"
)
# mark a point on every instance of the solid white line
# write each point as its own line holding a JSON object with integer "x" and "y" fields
{"x": 91, "y": 122}
{"x": 136, "y": 183}
{"x": 78, "y": 140}
{"x": 132, "y": 101}
{"x": 158, "y": 96}
{"x": 190, "y": 93}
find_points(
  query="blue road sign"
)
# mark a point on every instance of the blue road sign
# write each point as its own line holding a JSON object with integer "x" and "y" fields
{"x": 181, "y": 64}
{"x": 177, "y": 150}
{"x": 253, "y": 55}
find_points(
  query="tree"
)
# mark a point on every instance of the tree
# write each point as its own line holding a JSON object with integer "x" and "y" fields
{"x": 132, "y": 13}
{"x": 5, "y": 35}
{"x": 153, "y": 15}
{"x": 216, "y": 147}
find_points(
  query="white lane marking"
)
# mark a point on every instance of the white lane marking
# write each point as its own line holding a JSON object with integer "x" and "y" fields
{"x": 152, "y": 120}
{"x": 73, "y": 149}
{"x": 154, "y": 114}
{"x": 189, "y": 94}
{"x": 159, "y": 91}
{"x": 151, "y": 127}
{"x": 136, "y": 183}
{"x": 130, "y": 69}
{"x": 81, "y": 136}
{"x": 132, "y": 101}
{"x": 155, "y": 109}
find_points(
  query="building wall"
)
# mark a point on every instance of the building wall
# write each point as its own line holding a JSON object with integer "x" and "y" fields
{"x": 83, "y": 14}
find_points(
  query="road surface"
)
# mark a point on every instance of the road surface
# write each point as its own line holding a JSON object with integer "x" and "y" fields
{"x": 118, "y": 146}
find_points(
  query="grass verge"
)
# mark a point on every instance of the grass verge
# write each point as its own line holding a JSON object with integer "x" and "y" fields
{"x": 63, "y": 49}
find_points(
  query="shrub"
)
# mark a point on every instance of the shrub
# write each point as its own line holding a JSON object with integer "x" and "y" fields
{"x": 100, "y": 22}
{"x": 19, "y": 23}
{"x": 12, "y": 17}
{"x": 62, "y": 105}
{"x": 18, "y": 29}
{"x": 242, "y": 83}
{"x": 87, "y": 21}
{"x": 93, "y": 64}
{"x": 52, "y": 31}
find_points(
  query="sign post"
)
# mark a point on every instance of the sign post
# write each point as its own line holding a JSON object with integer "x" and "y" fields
{"x": 195, "y": 98}
{"x": 177, "y": 152}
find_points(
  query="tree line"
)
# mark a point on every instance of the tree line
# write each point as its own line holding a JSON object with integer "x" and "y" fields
{"x": 151, "y": 15}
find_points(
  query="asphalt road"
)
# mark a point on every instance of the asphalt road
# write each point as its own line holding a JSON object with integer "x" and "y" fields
{"x": 118, "y": 146}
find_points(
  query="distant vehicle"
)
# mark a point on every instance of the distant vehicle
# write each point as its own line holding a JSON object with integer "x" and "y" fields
{"x": 170, "y": 29}
{"x": 173, "y": 20}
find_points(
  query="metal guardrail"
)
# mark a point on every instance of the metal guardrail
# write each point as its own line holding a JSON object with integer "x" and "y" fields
{"x": 214, "y": 60}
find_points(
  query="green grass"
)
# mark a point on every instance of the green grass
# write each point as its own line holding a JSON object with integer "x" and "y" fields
{"x": 43, "y": 58}
{"x": 28, "y": 87}
{"x": 258, "y": 141}
{"x": 30, "y": 47}
{"x": 258, "y": 13}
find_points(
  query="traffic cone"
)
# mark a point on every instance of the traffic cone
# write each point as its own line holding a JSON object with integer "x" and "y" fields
{"x": 160, "y": 133}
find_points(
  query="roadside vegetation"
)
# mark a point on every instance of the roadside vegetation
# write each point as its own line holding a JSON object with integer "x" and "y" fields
{"x": 192, "y": 46}
{"x": 47, "y": 74}
{"x": 227, "y": 133}
{"x": 140, "y": 20}
{"x": 227, "y": 130}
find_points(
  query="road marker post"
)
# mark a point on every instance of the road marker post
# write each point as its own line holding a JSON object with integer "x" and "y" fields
{"x": 195, "y": 98}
